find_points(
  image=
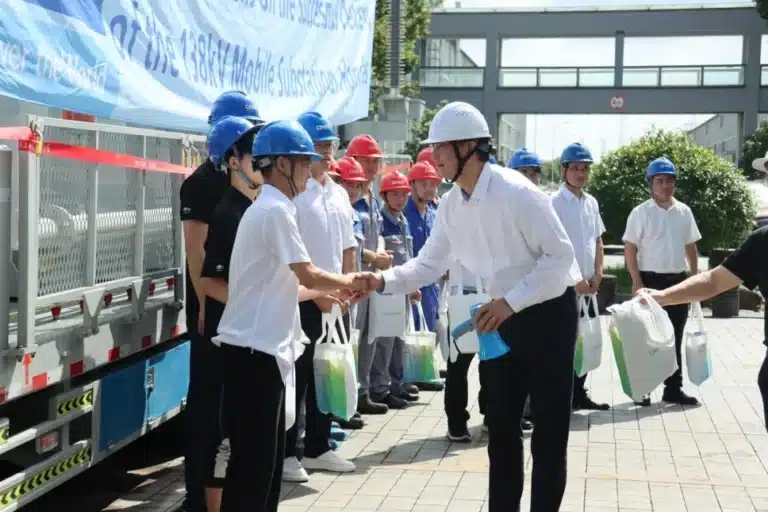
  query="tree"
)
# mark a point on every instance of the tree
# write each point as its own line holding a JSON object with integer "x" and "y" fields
{"x": 550, "y": 171}
{"x": 714, "y": 189}
{"x": 416, "y": 17}
{"x": 380, "y": 57}
{"x": 420, "y": 130}
{"x": 762, "y": 8}
{"x": 755, "y": 146}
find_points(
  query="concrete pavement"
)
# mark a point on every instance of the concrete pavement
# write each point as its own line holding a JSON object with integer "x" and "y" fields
{"x": 661, "y": 458}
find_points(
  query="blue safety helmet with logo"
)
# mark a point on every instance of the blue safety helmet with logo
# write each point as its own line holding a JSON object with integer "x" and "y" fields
{"x": 522, "y": 158}
{"x": 662, "y": 165}
{"x": 234, "y": 103}
{"x": 225, "y": 134}
{"x": 282, "y": 138}
{"x": 317, "y": 127}
{"x": 576, "y": 152}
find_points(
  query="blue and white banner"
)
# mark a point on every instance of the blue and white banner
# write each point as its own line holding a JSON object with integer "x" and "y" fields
{"x": 161, "y": 63}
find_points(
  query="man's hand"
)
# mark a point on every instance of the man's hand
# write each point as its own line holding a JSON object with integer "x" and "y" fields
{"x": 365, "y": 282}
{"x": 656, "y": 295}
{"x": 582, "y": 287}
{"x": 383, "y": 260}
{"x": 492, "y": 315}
{"x": 594, "y": 283}
{"x": 326, "y": 303}
{"x": 351, "y": 296}
{"x": 415, "y": 297}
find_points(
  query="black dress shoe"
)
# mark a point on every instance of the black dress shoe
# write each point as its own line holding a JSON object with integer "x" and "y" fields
{"x": 678, "y": 396}
{"x": 430, "y": 386}
{"x": 586, "y": 403}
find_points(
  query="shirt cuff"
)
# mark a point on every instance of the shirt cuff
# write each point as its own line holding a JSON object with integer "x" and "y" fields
{"x": 516, "y": 299}
{"x": 391, "y": 286}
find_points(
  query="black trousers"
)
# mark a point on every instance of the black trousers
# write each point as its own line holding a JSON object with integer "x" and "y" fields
{"x": 456, "y": 395}
{"x": 317, "y": 425}
{"x": 677, "y": 314}
{"x": 254, "y": 419}
{"x": 202, "y": 419}
{"x": 762, "y": 383}
{"x": 542, "y": 341}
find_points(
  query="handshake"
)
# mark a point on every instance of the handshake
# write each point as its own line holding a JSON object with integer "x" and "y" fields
{"x": 363, "y": 283}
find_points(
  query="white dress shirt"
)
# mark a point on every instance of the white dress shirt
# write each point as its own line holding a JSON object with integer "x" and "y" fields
{"x": 506, "y": 233}
{"x": 581, "y": 219}
{"x": 661, "y": 236}
{"x": 325, "y": 221}
{"x": 263, "y": 305}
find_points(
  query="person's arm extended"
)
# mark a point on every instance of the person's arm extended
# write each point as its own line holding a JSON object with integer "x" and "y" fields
{"x": 429, "y": 266}
{"x": 306, "y": 294}
{"x": 348, "y": 261}
{"x": 543, "y": 232}
{"x": 215, "y": 288}
{"x": 698, "y": 288}
{"x": 692, "y": 256}
{"x": 317, "y": 280}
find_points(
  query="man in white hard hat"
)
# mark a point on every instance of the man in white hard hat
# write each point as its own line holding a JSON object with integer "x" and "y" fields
{"x": 504, "y": 230}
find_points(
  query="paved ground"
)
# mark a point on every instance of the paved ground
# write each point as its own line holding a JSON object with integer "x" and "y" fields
{"x": 662, "y": 458}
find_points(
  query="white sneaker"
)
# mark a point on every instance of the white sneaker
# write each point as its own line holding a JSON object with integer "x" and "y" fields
{"x": 294, "y": 472}
{"x": 329, "y": 461}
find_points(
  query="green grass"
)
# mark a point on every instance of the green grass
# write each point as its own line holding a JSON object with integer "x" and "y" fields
{"x": 623, "y": 279}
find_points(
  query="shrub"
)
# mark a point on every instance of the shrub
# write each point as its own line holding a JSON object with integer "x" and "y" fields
{"x": 714, "y": 189}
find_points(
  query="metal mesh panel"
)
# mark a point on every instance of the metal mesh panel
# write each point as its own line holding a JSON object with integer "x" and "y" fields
{"x": 63, "y": 222}
{"x": 66, "y": 257}
{"x": 119, "y": 190}
{"x": 158, "y": 215}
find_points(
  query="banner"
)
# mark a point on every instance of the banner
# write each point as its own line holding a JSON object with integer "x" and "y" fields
{"x": 161, "y": 63}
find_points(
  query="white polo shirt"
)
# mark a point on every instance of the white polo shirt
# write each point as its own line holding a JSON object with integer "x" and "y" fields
{"x": 581, "y": 219}
{"x": 661, "y": 236}
{"x": 325, "y": 220}
{"x": 263, "y": 306}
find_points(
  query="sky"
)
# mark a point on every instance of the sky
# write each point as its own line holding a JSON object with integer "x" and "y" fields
{"x": 549, "y": 134}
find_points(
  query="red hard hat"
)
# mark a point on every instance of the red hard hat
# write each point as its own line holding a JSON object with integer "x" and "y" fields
{"x": 425, "y": 155}
{"x": 333, "y": 168}
{"x": 351, "y": 170}
{"x": 393, "y": 181}
{"x": 424, "y": 171}
{"x": 364, "y": 146}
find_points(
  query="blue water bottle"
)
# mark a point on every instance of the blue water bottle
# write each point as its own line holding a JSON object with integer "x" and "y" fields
{"x": 491, "y": 344}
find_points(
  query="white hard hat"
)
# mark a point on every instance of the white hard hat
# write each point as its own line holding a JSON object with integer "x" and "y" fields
{"x": 758, "y": 164}
{"x": 457, "y": 121}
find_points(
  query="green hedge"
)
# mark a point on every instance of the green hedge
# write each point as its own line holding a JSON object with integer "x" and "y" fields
{"x": 714, "y": 189}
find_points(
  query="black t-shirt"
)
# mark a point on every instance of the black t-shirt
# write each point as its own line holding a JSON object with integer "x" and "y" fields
{"x": 750, "y": 264}
{"x": 200, "y": 193}
{"x": 218, "y": 249}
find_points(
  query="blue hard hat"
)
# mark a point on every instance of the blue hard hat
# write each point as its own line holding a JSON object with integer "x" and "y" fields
{"x": 576, "y": 152}
{"x": 661, "y": 165}
{"x": 224, "y": 134}
{"x": 492, "y": 159}
{"x": 283, "y": 138}
{"x": 522, "y": 158}
{"x": 317, "y": 127}
{"x": 234, "y": 103}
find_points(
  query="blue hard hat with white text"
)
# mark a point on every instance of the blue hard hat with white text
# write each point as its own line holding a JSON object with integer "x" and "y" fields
{"x": 317, "y": 127}
{"x": 234, "y": 103}
{"x": 522, "y": 158}
{"x": 224, "y": 134}
{"x": 662, "y": 165}
{"x": 283, "y": 138}
{"x": 576, "y": 152}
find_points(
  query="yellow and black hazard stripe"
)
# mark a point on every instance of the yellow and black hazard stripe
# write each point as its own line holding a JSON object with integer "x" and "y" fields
{"x": 5, "y": 433}
{"x": 78, "y": 402}
{"x": 39, "y": 479}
